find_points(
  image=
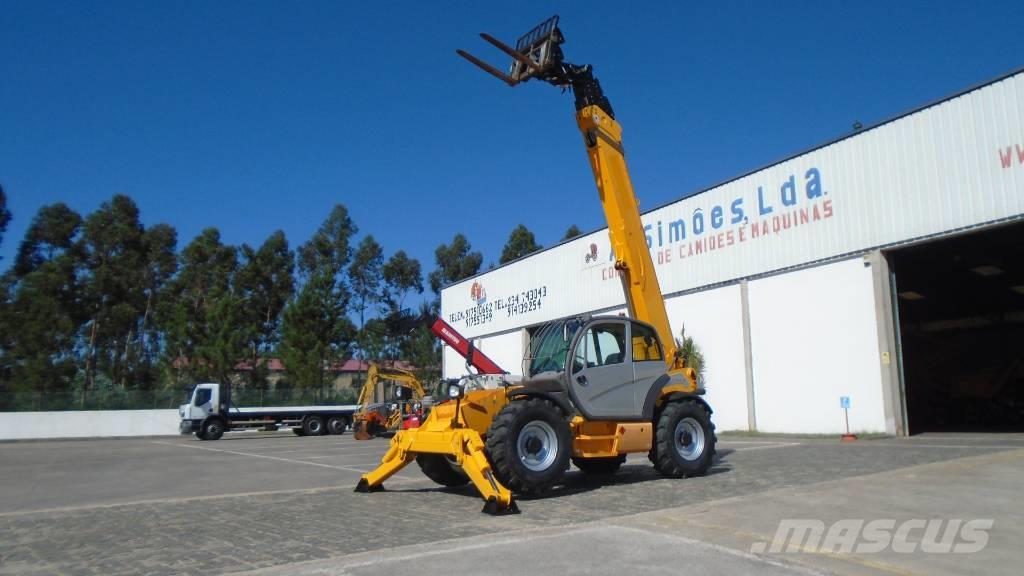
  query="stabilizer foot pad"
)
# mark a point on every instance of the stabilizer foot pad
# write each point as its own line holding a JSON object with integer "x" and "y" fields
{"x": 494, "y": 509}
{"x": 364, "y": 486}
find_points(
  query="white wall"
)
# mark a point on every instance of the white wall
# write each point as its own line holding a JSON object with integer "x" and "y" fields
{"x": 88, "y": 424}
{"x": 714, "y": 319}
{"x": 505, "y": 349}
{"x": 814, "y": 339}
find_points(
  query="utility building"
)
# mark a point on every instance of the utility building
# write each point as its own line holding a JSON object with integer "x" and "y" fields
{"x": 886, "y": 267}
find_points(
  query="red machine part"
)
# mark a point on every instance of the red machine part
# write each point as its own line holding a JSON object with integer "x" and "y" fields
{"x": 476, "y": 358}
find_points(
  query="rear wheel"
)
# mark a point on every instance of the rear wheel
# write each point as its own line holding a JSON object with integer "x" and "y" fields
{"x": 337, "y": 425}
{"x": 298, "y": 431}
{"x": 684, "y": 440}
{"x": 313, "y": 426}
{"x": 440, "y": 469}
{"x": 528, "y": 445}
{"x": 599, "y": 465}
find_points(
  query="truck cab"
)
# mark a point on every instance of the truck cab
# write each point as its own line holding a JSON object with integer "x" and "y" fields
{"x": 203, "y": 401}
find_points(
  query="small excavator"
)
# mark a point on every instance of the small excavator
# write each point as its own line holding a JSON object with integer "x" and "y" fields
{"x": 376, "y": 418}
{"x": 597, "y": 387}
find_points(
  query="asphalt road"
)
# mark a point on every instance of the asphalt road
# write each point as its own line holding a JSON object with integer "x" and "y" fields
{"x": 264, "y": 500}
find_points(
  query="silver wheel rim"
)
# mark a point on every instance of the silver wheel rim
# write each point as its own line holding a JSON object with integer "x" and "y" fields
{"x": 314, "y": 426}
{"x": 537, "y": 446}
{"x": 689, "y": 439}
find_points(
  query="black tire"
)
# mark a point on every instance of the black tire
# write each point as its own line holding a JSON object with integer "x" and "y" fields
{"x": 299, "y": 431}
{"x": 337, "y": 425}
{"x": 684, "y": 440}
{"x": 313, "y": 426}
{"x": 547, "y": 441}
{"x": 440, "y": 470}
{"x": 213, "y": 429}
{"x": 596, "y": 466}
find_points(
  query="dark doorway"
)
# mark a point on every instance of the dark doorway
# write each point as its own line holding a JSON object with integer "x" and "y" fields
{"x": 960, "y": 307}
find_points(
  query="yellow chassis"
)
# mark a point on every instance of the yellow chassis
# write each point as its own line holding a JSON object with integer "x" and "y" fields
{"x": 456, "y": 429}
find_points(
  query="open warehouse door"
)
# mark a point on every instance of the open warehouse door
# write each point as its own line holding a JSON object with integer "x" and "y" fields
{"x": 960, "y": 309}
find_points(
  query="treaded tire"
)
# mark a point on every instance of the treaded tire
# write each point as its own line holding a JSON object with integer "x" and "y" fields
{"x": 213, "y": 429}
{"x": 666, "y": 455}
{"x": 597, "y": 466}
{"x": 503, "y": 445}
{"x": 437, "y": 468}
{"x": 337, "y": 425}
{"x": 313, "y": 426}
{"x": 298, "y": 431}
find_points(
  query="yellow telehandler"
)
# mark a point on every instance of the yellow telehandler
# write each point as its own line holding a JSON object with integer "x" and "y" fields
{"x": 596, "y": 388}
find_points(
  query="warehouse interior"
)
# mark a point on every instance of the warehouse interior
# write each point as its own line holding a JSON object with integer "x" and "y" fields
{"x": 960, "y": 308}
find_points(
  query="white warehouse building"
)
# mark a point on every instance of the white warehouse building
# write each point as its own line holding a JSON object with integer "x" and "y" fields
{"x": 885, "y": 267}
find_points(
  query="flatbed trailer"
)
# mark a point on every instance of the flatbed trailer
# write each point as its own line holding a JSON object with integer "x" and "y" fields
{"x": 209, "y": 413}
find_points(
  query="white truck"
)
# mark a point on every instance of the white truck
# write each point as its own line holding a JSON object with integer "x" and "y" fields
{"x": 210, "y": 413}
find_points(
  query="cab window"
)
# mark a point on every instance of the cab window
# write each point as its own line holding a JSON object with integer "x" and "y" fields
{"x": 603, "y": 345}
{"x": 203, "y": 396}
{"x": 645, "y": 344}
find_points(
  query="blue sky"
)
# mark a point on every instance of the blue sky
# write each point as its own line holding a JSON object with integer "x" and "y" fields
{"x": 256, "y": 116}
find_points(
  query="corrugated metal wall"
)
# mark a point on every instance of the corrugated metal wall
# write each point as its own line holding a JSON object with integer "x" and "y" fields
{"x": 954, "y": 165}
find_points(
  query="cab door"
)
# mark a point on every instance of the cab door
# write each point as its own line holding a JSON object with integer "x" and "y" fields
{"x": 204, "y": 401}
{"x": 602, "y": 371}
{"x": 648, "y": 361}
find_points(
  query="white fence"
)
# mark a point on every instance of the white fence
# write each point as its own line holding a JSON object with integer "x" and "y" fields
{"x": 88, "y": 424}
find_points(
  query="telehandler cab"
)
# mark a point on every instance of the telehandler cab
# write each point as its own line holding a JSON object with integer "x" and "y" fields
{"x": 597, "y": 388}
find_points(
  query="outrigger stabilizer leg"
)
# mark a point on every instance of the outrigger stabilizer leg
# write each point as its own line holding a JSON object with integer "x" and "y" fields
{"x": 463, "y": 445}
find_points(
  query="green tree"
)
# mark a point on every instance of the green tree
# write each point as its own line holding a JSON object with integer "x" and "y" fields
{"x": 423, "y": 349}
{"x": 329, "y": 250}
{"x": 572, "y": 232}
{"x": 520, "y": 243}
{"x": 114, "y": 269}
{"x": 401, "y": 276}
{"x": 455, "y": 261}
{"x": 266, "y": 282}
{"x": 315, "y": 331}
{"x": 40, "y": 313}
{"x": 201, "y": 315}
{"x": 53, "y": 231}
{"x": 5, "y": 214}
{"x": 364, "y": 276}
{"x": 160, "y": 243}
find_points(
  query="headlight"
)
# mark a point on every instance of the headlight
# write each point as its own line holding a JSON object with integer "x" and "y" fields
{"x": 455, "y": 390}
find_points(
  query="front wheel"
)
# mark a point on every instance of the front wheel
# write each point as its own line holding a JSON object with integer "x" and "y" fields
{"x": 212, "y": 429}
{"x": 529, "y": 444}
{"x": 684, "y": 440}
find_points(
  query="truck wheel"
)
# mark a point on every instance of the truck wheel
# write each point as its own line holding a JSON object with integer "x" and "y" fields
{"x": 528, "y": 445}
{"x": 337, "y": 425}
{"x": 684, "y": 440}
{"x": 599, "y": 465}
{"x": 298, "y": 431}
{"x": 439, "y": 469}
{"x": 213, "y": 429}
{"x": 313, "y": 426}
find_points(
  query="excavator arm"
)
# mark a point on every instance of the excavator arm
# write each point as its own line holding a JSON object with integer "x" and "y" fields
{"x": 374, "y": 413}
